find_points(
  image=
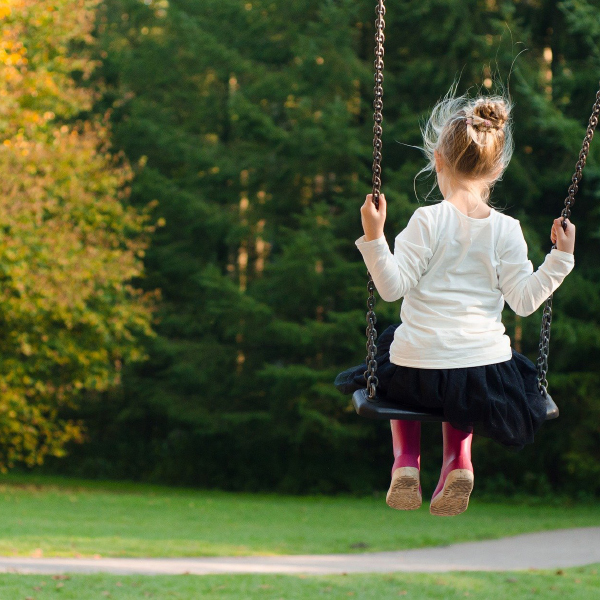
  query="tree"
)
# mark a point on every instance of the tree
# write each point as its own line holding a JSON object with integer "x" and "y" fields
{"x": 257, "y": 147}
{"x": 70, "y": 245}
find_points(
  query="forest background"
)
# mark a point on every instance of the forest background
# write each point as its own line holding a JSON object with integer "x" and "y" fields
{"x": 183, "y": 178}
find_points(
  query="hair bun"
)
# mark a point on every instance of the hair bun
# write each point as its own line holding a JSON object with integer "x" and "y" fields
{"x": 494, "y": 111}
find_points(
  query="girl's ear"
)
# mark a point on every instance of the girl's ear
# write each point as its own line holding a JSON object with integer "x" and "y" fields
{"x": 439, "y": 161}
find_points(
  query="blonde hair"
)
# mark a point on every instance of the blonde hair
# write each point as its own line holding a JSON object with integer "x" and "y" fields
{"x": 473, "y": 136}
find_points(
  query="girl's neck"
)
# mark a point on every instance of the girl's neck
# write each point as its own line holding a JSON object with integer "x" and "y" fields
{"x": 467, "y": 196}
{"x": 469, "y": 202}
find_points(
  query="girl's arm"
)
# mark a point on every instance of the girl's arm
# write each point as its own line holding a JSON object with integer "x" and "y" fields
{"x": 395, "y": 274}
{"x": 524, "y": 290}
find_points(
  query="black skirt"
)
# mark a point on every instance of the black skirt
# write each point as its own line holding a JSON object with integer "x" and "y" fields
{"x": 500, "y": 401}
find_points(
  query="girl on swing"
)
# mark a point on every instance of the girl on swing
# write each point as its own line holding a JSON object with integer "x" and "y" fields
{"x": 455, "y": 265}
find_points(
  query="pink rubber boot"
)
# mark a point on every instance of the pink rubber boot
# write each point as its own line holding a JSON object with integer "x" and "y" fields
{"x": 405, "y": 489}
{"x": 451, "y": 496}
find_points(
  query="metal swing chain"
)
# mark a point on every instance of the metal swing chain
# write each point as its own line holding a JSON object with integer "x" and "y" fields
{"x": 544, "y": 345}
{"x": 371, "y": 372}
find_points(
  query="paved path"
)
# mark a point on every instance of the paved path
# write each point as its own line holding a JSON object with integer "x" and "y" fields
{"x": 546, "y": 550}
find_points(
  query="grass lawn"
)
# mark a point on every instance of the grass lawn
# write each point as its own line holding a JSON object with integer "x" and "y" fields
{"x": 42, "y": 516}
{"x": 573, "y": 584}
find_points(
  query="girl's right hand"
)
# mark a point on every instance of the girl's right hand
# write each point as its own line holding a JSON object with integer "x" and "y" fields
{"x": 564, "y": 239}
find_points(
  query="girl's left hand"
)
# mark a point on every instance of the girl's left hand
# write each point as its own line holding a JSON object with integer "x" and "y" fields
{"x": 373, "y": 219}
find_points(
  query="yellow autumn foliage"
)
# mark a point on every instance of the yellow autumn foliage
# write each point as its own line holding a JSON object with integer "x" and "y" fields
{"x": 70, "y": 244}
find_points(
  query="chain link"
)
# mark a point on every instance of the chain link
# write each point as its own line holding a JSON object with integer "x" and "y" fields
{"x": 371, "y": 372}
{"x": 544, "y": 345}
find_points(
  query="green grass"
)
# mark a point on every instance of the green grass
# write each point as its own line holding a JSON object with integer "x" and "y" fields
{"x": 572, "y": 584}
{"x": 56, "y": 517}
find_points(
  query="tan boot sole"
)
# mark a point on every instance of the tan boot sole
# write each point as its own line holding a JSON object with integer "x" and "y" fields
{"x": 454, "y": 497}
{"x": 404, "y": 490}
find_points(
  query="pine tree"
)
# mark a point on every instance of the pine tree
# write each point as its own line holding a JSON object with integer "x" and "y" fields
{"x": 253, "y": 121}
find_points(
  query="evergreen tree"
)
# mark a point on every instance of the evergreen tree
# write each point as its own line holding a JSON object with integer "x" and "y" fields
{"x": 253, "y": 121}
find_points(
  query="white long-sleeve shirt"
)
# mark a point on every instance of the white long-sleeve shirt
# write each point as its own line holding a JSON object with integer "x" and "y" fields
{"x": 455, "y": 272}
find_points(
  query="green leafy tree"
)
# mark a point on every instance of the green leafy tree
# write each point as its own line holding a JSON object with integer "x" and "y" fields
{"x": 70, "y": 245}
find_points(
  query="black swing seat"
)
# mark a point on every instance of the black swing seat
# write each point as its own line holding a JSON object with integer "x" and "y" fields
{"x": 380, "y": 408}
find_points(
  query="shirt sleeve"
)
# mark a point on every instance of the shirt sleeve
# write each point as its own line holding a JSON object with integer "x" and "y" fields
{"x": 395, "y": 274}
{"x": 524, "y": 290}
